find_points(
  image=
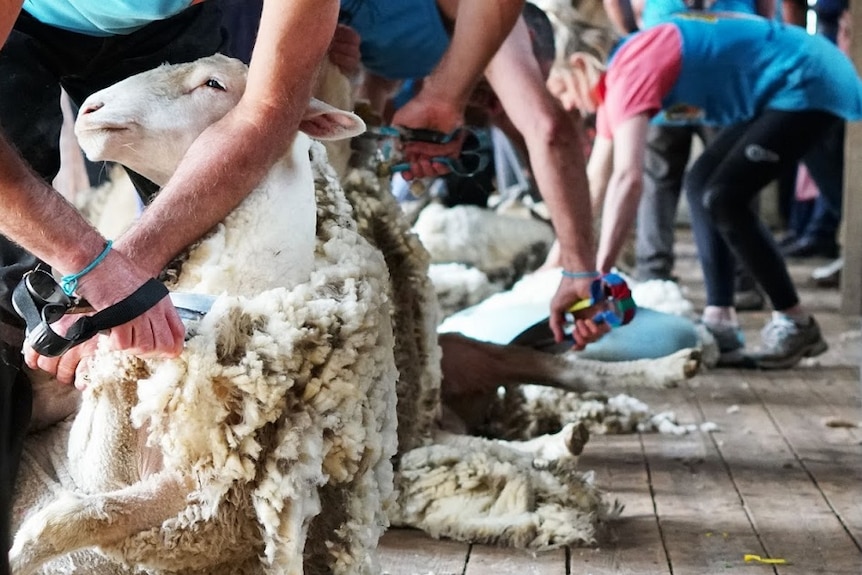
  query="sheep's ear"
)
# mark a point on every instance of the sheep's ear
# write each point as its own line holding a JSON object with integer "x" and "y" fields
{"x": 325, "y": 122}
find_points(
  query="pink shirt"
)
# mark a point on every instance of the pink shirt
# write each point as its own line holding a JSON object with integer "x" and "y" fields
{"x": 641, "y": 73}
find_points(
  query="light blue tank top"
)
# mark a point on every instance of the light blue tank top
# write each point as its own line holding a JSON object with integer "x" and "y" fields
{"x": 103, "y": 17}
{"x": 733, "y": 68}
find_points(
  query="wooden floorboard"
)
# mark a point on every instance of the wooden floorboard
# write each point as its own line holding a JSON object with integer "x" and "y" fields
{"x": 410, "y": 552}
{"x": 792, "y": 518}
{"x": 704, "y": 526}
{"x": 781, "y": 477}
{"x": 632, "y": 543}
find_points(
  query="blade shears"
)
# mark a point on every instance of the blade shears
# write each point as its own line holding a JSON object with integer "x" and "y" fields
{"x": 391, "y": 138}
{"x": 613, "y": 292}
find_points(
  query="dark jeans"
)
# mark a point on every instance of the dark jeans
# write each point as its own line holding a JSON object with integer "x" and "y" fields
{"x": 34, "y": 63}
{"x": 722, "y": 183}
{"x": 827, "y": 158}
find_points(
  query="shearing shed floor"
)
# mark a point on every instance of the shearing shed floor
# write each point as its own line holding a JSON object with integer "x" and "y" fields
{"x": 780, "y": 479}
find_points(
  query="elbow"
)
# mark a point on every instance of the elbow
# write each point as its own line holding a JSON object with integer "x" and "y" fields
{"x": 632, "y": 181}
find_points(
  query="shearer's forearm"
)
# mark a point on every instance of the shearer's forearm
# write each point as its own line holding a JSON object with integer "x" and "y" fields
{"x": 480, "y": 29}
{"x": 232, "y": 156}
{"x": 39, "y": 219}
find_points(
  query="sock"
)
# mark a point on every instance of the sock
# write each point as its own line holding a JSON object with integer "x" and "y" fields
{"x": 719, "y": 316}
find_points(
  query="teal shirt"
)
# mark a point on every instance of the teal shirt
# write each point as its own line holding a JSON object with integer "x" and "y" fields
{"x": 658, "y": 11}
{"x": 400, "y": 39}
{"x": 103, "y": 17}
{"x": 734, "y": 68}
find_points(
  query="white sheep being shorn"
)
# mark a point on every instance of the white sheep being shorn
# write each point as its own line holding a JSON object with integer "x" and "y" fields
{"x": 266, "y": 447}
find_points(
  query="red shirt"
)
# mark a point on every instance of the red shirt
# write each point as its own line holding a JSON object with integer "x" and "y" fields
{"x": 639, "y": 76}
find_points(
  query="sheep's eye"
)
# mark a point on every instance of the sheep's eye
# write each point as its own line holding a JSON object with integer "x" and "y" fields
{"x": 213, "y": 83}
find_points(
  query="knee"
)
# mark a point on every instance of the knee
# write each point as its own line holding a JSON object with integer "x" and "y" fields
{"x": 719, "y": 206}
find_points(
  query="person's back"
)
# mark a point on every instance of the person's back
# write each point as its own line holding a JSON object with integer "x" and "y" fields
{"x": 735, "y": 67}
{"x": 658, "y": 11}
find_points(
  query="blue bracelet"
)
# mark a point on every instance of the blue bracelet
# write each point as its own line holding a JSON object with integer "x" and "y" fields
{"x": 581, "y": 275}
{"x": 70, "y": 282}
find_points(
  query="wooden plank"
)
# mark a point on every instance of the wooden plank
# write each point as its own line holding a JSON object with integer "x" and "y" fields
{"x": 704, "y": 525}
{"x": 488, "y": 560}
{"x": 791, "y": 516}
{"x": 631, "y": 544}
{"x": 851, "y": 277}
{"x": 802, "y": 410}
{"x": 411, "y": 552}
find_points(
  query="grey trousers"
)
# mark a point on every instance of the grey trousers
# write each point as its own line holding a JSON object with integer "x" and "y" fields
{"x": 667, "y": 154}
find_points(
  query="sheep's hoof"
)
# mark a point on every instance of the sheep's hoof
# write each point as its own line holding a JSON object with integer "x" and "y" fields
{"x": 578, "y": 438}
{"x": 692, "y": 364}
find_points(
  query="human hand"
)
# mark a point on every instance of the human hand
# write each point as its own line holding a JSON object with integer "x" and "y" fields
{"x": 344, "y": 51}
{"x": 157, "y": 332}
{"x": 572, "y": 86}
{"x": 69, "y": 367}
{"x": 585, "y": 330}
{"x": 428, "y": 113}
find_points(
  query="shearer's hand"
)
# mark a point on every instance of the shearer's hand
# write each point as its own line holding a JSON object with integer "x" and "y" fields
{"x": 158, "y": 332}
{"x": 69, "y": 367}
{"x": 585, "y": 330}
{"x": 344, "y": 51}
{"x": 427, "y": 113}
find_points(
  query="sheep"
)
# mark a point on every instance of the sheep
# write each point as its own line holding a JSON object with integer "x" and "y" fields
{"x": 266, "y": 446}
{"x": 257, "y": 316}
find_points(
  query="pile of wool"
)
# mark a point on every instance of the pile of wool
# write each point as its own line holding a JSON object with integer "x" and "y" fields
{"x": 460, "y": 286}
{"x": 472, "y": 489}
{"x": 532, "y": 410}
{"x": 502, "y": 246}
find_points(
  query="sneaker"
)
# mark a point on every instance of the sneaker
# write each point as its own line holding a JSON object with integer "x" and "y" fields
{"x": 785, "y": 342}
{"x": 731, "y": 344}
{"x": 828, "y": 276}
{"x": 787, "y": 239}
{"x": 806, "y": 247}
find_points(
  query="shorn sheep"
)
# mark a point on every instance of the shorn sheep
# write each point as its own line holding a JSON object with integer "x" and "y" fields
{"x": 266, "y": 446}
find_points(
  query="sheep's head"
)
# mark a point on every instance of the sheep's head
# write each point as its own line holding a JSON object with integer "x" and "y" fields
{"x": 148, "y": 121}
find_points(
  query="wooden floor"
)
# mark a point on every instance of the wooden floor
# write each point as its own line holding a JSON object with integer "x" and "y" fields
{"x": 781, "y": 478}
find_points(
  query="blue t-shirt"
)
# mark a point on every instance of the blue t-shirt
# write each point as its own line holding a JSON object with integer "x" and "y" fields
{"x": 658, "y": 11}
{"x": 103, "y": 17}
{"x": 733, "y": 68}
{"x": 400, "y": 39}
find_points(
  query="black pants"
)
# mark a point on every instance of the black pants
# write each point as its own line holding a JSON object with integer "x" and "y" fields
{"x": 34, "y": 63}
{"x": 722, "y": 183}
{"x": 15, "y": 404}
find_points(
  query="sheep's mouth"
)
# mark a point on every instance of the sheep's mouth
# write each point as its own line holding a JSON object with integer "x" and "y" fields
{"x": 102, "y": 128}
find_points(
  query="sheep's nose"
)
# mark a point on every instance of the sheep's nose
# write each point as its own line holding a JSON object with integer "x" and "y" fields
{"x": 91, "y": 107}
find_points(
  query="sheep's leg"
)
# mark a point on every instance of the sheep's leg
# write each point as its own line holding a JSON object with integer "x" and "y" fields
{"x": 75, "y": 521}
{"x": 284, "y": 546}
{"x": 52, "y": 401}
{"x": 569, "y": 441}
{"x": 661, "y": 372}
{"x": 492, "y": 365}
{"x": 474, "y": 367}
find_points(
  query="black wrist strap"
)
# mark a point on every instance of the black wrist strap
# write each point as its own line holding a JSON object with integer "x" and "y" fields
{"x": 47, "y": 342}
